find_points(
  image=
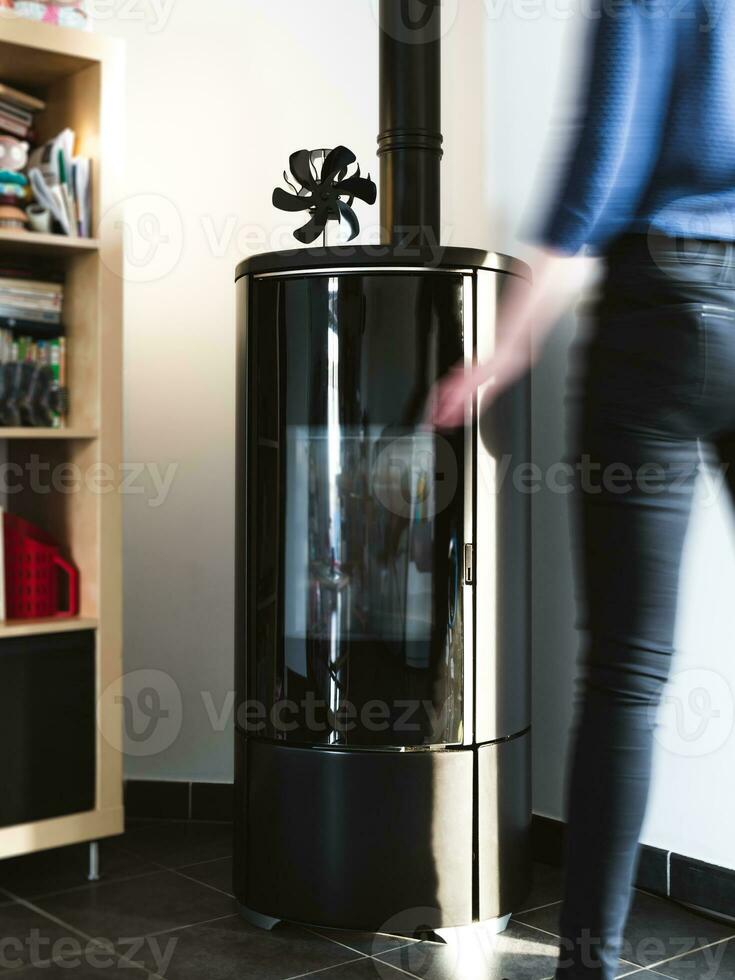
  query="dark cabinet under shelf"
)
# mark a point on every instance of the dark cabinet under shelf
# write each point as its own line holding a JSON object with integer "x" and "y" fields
{"x": 47, "y": 739}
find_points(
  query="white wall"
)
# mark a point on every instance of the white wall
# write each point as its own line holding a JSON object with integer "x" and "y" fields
{"x": 215, "y": 104}
{"x": 532, "y": 60}
{"x": 216, "y": 100}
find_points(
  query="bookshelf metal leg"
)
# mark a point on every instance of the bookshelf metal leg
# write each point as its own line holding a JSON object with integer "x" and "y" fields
{"x": 94, "y": 862}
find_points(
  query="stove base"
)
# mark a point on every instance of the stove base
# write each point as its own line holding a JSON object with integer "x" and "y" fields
{"x": 390, "y": 842}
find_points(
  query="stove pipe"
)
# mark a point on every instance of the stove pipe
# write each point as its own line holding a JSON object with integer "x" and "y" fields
{"x": 410, "y": 139}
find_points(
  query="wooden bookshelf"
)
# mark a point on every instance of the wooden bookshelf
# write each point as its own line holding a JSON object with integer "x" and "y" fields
{"x": 65, "y": 433}
{"x": 39, "y": 627}
{"x": 80, "y": 77}
{"x": 14, "y": 242}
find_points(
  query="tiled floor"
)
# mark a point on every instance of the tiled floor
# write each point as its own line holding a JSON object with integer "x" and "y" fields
{"x": 164, "y": 909}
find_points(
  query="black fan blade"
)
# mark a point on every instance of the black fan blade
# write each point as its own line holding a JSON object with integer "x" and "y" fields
{"x": 311, "y": 231}
{"x": 300, "y": 164}
{"x": 337, "y": 160}
{"x": 351, "y": 218}
{"x": 360, "y": 187}
{"x": 290, "y": 202}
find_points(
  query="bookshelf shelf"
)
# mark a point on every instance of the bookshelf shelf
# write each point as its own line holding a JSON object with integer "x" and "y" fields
{"x": 29, "y": 433}
{"x": 80, "y": 78}
{"x": 38, "y": 627}
{"x": 25, "y": 242}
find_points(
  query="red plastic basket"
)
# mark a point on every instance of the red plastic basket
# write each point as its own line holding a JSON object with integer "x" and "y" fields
{"x": 33, "y": 569}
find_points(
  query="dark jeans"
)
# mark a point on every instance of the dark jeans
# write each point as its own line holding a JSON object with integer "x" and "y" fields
{"x": 656, "y": 376}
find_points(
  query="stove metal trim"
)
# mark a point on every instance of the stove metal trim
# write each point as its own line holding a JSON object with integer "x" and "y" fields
{"x": 361, "y": 270}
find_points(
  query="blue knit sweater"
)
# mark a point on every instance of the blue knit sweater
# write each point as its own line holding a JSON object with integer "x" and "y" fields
{"x": 655, "y": 150}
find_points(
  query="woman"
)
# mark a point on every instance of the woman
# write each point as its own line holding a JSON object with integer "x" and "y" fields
{"x": 651, "y": 187}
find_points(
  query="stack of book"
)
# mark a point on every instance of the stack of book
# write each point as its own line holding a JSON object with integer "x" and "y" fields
{"x": 49, "y": 173}
{"x": 32, "y": 349}
{"x": 33, "y": 382}
{"x": 29, "y": 350}
{"x": 61, "y": 183}
{"x": 30, "y": 304}
{"x": 17, "y": 112}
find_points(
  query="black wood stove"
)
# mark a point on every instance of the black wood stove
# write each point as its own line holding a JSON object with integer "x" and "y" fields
{"x": 382, "y": 635}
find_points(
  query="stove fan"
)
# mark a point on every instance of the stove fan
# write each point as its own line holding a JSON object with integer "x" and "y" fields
{"x": 321, "y": 190}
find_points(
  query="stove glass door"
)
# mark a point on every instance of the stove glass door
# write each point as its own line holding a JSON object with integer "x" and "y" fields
{"x": 357, "y": 514}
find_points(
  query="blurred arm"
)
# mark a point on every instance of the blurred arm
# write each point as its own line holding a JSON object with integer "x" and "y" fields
{"x": 525, "y": 316}
{"x": 612, "y": 157}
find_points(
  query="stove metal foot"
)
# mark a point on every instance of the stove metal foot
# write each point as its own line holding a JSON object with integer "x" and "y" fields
{"x": 258, "y": 920}
{"x": 474, "y": 933}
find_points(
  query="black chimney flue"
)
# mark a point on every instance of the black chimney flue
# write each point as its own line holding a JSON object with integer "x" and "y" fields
{"x": 410, "y": 139}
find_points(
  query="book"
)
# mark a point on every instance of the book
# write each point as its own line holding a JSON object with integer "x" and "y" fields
{"x": 20, "y": 303}
{"x": 31, "y": 313}
{"x": 42, "y": 298}
{"x": 81, "y": 171}
{"x": 31, "y": 287}
{"x": 29, "y": 300}
{"x": 62, "y": 183}
{"x": 22, "y": 115}
{"x": 34, "y": 327}
{"x": 30, "y": 305}
{"x": 32, "y": 274}
{"x": 14, "y": 126}
{"x": 48, "y": 356}
{"x": 14, "y": 97}
{"x": 56, "y": 351}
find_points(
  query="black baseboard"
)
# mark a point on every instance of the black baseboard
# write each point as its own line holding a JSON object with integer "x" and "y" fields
{"x": 675, "y": 876}
{"x": 152, "y": 799}
{"x": 664, "y": 873}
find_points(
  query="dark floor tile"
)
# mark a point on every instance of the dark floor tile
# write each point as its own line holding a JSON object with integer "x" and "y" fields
{"x": 212, "y": 801}
{"x": 520, "y": 953}
{"x": 231, "y": 949}
{"x": 67, "y": 867}
{"x": 547, "y": 887}
{"x": 644, "y": 975}
{"x": 361, "y": 970}
{"x": 157, "y": 799}
{"x": 216, "y": 874}
{"x": 712, "y": 963}
{"x": 629, "y": 969}
{"x": 31, "y": 938}
{"x": 138, "y": 907}
{"x": 367, "y": 943}
{"x": 656, "y": 930}
{"x": 92, "y": 966}
{"x": 174, "y": 845}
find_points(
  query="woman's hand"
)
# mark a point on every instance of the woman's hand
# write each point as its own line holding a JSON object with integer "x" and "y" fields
{"x": 525, "y": 316}
{"x": 448, "y": 401}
